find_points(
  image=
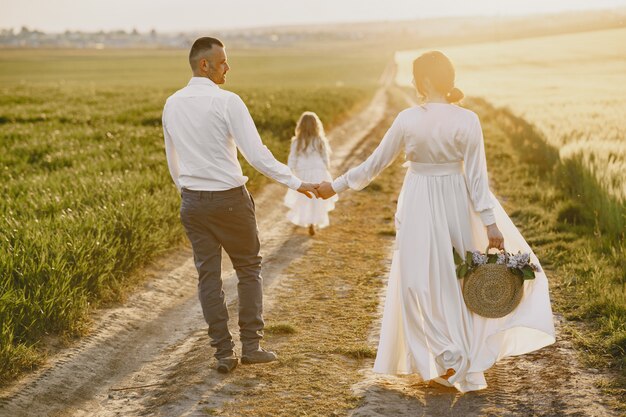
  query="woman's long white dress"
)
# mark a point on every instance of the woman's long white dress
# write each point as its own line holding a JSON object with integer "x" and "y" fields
{"x": 444, "y": 203}
{"x": 309, "y": 166}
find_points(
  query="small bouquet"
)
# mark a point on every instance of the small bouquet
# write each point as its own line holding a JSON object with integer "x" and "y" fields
{"x": 519, "y": 263}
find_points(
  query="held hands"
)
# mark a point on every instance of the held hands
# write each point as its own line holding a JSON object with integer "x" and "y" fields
{"x": 496, "y": 240}
{"x": 325, "y": 190}
{"x": 309, "y": 189}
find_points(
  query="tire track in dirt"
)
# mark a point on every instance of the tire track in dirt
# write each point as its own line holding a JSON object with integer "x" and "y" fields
{"x": 158, "y": 337}
{"x": 548, "y": 382}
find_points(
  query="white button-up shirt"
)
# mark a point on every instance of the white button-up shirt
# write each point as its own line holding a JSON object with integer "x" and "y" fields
{"x": 203, "y": 126}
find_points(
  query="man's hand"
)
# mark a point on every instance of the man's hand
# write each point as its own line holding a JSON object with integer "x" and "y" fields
{"x": 325, "y": 190}
{"x": 309, "y": 189}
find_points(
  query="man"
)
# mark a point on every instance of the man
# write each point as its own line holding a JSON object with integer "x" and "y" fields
{"x": 203, "y": 126}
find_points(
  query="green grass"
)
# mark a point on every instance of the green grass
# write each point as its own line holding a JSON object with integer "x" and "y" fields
{"x": 280, "y": 328}
{"x": 87, "y": 197}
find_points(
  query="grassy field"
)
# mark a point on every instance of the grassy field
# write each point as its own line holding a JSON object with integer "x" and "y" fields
{"x": 86, "y": 193}
{"x": 572, "y": 88}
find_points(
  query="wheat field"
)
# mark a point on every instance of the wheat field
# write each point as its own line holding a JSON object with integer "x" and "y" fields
{"x": 572, "y": 87}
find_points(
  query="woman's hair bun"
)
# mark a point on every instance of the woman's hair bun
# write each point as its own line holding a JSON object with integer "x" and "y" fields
{"x": 455, "y": 95}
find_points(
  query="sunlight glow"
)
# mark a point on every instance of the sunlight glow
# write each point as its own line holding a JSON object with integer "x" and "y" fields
{"x": 186, "y": 15}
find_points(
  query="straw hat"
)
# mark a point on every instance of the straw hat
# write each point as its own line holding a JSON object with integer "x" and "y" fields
{"x": 492, "y": 290}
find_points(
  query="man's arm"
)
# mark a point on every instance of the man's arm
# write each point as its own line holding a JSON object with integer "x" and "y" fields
{"x": 249, "y": 142}
{"x": 172, "y": 156}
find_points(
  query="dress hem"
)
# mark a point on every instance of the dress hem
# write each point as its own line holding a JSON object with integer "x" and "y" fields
{"x": 546, "y": 339}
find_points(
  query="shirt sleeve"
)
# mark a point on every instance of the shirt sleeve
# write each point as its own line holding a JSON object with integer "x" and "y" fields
{"x": 360, "y": 176}
{"x": 171, "y": 154}
{"x": 476, "y": 173}
{"x": 249, "y": 142}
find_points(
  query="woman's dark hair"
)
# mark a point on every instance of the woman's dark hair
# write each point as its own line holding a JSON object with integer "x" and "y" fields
{"x": 435, "y": 66}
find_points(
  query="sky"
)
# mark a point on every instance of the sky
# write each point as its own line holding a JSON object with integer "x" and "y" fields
{"x": 188, "y": 15}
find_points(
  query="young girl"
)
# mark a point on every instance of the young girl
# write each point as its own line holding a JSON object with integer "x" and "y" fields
{"x": 309, "y": 159}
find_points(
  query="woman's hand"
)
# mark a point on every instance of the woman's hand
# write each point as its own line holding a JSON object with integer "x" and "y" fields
{"x": 325, "y": 190}
{"x": 496, "y": 240}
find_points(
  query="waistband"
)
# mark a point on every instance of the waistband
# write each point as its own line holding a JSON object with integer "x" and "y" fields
{"x": 210, "y": 194}
{"x": 446, "y": 168}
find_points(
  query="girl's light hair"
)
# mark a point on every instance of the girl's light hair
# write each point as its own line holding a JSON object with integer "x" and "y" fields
{"x": 310, "y": 134}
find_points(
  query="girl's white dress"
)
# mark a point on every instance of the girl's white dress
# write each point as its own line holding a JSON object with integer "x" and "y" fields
{"x": 444, "y": 203}
{"x": 309, "y": 166}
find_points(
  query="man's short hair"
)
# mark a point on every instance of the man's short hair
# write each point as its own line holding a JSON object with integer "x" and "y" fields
{"x": 200, "y": 47}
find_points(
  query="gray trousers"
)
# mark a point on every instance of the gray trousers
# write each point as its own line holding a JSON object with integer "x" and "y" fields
{"x": 225, "y": 219}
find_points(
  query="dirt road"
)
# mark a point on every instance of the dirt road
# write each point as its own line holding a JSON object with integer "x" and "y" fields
{"x": 151, "y": 355}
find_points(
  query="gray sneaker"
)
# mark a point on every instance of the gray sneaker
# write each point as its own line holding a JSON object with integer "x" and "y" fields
{"x": 226, "y": 365}
{"x": 258, "y": 356}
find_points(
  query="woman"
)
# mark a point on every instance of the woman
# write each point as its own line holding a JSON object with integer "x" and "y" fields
{"x": 445, "y": 203}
